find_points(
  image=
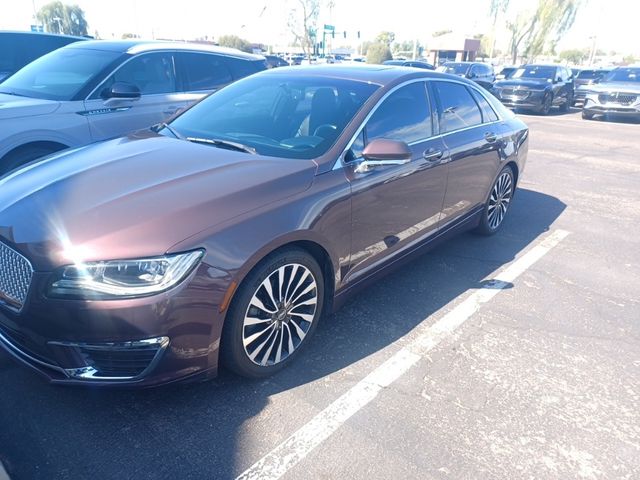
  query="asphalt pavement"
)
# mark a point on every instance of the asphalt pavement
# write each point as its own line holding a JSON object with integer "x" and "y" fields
{"x": 510, "y": 357}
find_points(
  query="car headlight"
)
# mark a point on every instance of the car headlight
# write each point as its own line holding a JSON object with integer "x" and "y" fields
{"x": 115, "y": 279}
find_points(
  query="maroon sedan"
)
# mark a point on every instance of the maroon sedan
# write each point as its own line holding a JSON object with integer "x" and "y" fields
{"x": 227, "y": 234}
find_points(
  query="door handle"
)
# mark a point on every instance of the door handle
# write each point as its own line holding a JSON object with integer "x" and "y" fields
{"x": 490, "y": 137}
{"x": 431, "y": 155}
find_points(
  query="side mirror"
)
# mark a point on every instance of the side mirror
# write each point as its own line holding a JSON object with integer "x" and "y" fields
{"x": 122, "y": 91}
{"x": 557, "y": 80}
{"x": 471, "y": 75}
{"x": 382, "y": 152}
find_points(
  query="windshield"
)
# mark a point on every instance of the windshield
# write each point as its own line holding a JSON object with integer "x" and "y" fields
{"x": 624, "y": 75}
{"x": 59, "y": 75}
{"x": 590, "y": 74}
{"x": 455, "y": 68}
{"x": 532, "y": 71}
{"x": 277, "y": 115}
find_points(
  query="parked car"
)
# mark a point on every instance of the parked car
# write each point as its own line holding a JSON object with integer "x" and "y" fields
{"x": 17, "y": 49}
{"x": 505, "y": 73}
{"x": 617, "y": 94}
{"x": 585, "y": 78}
{"x": 410, "y": 63}
{"x": 95, "y": 90}
{"x": 538, "y": 88}
{"x": 481, "y": 73}
{"x": 226, "y": 234}
{"x": 273, "y": 61}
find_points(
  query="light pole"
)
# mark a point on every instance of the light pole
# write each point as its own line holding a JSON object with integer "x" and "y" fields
{"x": 59, "y": 20}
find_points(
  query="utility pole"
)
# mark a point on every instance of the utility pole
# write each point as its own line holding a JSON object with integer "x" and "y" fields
{"x": 593, "y": 49}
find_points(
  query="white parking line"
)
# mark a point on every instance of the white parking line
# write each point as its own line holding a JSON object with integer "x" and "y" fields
{"x": 291, "y": 451}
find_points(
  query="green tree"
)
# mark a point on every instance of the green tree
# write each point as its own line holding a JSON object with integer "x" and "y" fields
{"x": 574, "y": 55}
{"x": 629, "y": 59}
{"x": 378, "y": 53}
{"x": 386, "y": 38}
{"x": 125, "y": 36}
{"x": 532, "y": 33}
{"x": 303, "y": 19}
{"x": 233, "y": 41}
{"x": 60, "y": 18}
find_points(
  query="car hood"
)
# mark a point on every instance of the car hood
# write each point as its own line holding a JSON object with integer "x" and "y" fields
{"x": 630, "y": 87}
{"x": 13, "y": 106}
{"x": 537, "y": 84}
{"x": 135, "y": 197}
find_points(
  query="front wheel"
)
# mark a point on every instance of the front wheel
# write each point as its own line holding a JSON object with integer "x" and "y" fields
{"x": 566, "y": 106}
{"x": 274, "y": 313}
{"x": 498, "y": 203}
{"x": 547, "y": 103}
{"x": 587, "y": 115}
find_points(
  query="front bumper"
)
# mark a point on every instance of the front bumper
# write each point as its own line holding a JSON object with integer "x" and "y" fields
{"x": 137, "y": 342}
{"x": 521, "y": 98}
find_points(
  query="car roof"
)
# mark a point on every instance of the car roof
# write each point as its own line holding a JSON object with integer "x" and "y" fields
{"x": 141, "y": 46}
{"x": 368, "y": 73}
{"x": 42, "y": 34}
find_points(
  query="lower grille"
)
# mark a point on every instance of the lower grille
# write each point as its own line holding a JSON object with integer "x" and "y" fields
{"x": 15, "y": 277}
{"x": 617, "y": 98}
{"x": 112, "y": 361}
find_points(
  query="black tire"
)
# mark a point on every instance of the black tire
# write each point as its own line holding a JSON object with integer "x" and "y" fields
{"x": 587, "y": 115}
{"x": 487, "y": 225}
{"x": 23, "y": 155}
{"x": 284, "y": 324}
{"x": 547, "y": 103}
{"x": 566, "y": 106}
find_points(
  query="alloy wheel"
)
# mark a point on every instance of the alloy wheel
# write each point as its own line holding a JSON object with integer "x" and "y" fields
{"x": 500, "y": 199}
{"x": 280, "y": 314}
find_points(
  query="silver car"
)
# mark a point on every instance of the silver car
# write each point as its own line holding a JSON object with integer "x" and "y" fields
{"x": 97, "y": 90}
{"x": 617, "y": 94}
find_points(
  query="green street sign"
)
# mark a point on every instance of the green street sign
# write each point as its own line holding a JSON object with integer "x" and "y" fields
{"x": 331, "y": 28}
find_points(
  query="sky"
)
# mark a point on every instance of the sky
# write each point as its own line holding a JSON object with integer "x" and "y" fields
{"x": 265, "y": 21}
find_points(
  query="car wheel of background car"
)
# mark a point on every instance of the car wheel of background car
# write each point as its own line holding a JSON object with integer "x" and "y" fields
{"x": 547, "y": 103}
{"x": 587, "y": 115}
{"x": 25, "y": 154}
{"x": 498, "y": 203}
{"x": 566, "y": 106}
{"x": 273, "y": 314}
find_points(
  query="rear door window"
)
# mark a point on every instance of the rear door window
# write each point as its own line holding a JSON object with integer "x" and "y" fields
{"x": 458, "y": 109}
{"x": 488, "y": 115}
{"x": 203, "y": 71}
{"x": 241, "y": 67}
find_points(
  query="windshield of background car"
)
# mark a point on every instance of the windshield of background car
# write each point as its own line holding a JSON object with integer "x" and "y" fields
{"x": 59, "y": 75}
{"x": 589, "y": 74}
{"x": 624, "y": 75}
{"x": 276, "y": 115}
{"x": 455, "y": 68}
{"x": 547, "y": 73}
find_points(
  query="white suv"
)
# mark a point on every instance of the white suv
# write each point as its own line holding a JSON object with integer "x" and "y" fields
{"x": 96, "y": 90}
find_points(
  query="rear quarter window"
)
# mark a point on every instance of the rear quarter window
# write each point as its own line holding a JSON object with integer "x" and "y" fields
{"x": 241, "y": 68}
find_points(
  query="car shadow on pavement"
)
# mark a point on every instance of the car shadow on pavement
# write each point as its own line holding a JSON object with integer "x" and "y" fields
{"x": 205, "y": 430}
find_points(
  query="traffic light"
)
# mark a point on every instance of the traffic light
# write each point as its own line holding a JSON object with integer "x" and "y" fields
{"x": 333, "y": 34}
{"x": 358, "y": 34}
{"x": 345, "y": 34}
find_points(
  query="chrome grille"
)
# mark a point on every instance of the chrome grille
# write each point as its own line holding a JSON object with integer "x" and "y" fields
{"x": 15, "y": 277}
{"x": 514, "y": 92}
{"x": 617, "y": 98}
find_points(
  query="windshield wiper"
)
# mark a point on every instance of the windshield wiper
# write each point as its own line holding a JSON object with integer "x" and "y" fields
{"x": 173, "y": 131}
{"x": 224, "y": 143}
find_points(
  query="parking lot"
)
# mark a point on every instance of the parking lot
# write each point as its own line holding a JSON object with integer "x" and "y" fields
{"x": 513, "y": 356}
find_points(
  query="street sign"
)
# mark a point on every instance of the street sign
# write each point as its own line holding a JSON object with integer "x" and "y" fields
{"x": 37, "y": 28}
{"x": 330, "y": 28}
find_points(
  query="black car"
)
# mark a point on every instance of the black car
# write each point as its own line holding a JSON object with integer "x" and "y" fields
{"x": 410, "y": 63}
{"x": 538, "y": 88}
{"x": 274, "y": 61}
{"x": 481, "y": 73}
{"x": 17, "y": 49}
{"x": 586, "y": 77}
